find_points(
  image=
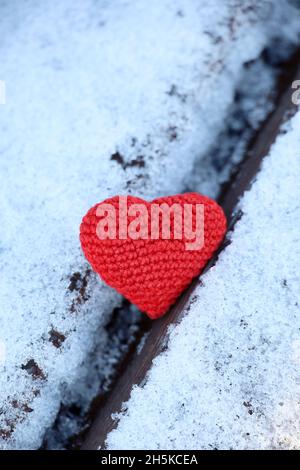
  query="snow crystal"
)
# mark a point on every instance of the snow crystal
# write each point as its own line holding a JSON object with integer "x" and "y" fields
{"x": 101, "y": 98}
{"x": 230, "y": 378}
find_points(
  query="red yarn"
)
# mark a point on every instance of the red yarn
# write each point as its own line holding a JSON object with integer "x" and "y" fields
{"x": 152, "y": 273}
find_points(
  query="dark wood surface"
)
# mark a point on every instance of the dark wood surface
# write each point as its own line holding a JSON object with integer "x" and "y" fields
{"x": 135, "y": 369}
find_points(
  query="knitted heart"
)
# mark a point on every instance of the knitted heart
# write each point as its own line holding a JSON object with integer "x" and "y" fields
{"x": 146, "y": 259}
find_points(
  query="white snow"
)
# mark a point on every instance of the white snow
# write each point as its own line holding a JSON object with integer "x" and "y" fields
{"x": 230, "y": 378}
{"x": 85, "y": 79}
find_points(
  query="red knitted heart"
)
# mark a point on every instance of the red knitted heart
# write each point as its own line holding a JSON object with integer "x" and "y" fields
{"x": 151, "y": 273}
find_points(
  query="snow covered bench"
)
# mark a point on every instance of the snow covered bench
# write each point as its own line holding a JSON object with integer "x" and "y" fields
{"x": 230, "y": 376}
{"x": 101, "y": 99}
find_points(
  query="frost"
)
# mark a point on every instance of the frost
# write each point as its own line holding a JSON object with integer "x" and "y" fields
{"x": 230, "y": 377}
{"x": 102, "y": 98}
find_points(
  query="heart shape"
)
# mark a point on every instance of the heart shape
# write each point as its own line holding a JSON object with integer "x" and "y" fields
{"x": 148, "y": 259}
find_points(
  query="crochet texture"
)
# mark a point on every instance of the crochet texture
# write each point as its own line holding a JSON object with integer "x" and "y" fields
{"x": 152, "y": 273}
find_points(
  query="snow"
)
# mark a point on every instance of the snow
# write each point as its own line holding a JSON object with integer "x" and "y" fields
{"x": 230, "y": 378}
{"x": 253, "y": 101}
{"x": 86, "y": 80}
